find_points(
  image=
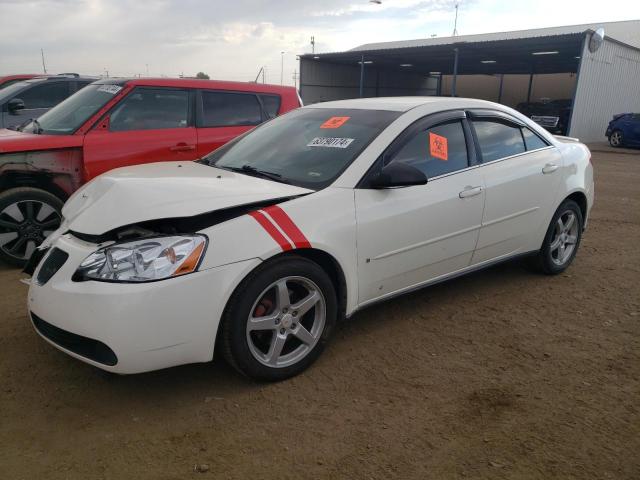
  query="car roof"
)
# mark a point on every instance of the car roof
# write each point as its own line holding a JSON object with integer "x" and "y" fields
{"x": 61, "y": 77}
{"x": 404, "y": 104}
{"x": 200, "y": 83}
{"x": 16, "y": 76}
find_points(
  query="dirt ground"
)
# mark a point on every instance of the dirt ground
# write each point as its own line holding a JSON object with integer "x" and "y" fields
{"x": 501, "y": 374}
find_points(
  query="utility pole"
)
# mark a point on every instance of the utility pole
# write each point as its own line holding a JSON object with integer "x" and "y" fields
{"x": 295, "y": 78}
{"x": 281, "y": 68}
{"x": 313, "y": 44}
{"x": 455, "y": 23}
{"x": 44, "y": 67}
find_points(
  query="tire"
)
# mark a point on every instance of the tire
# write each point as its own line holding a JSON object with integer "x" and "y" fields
{"x": 616, "y": 139}
{"x": 27, "y": 216}
{"x": 560, "y": 243}
{"x": 259, "y": 319}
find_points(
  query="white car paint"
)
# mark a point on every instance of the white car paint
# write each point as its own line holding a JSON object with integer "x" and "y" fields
{"x": 385, "y": 241}
{"x": 169, "y": 189}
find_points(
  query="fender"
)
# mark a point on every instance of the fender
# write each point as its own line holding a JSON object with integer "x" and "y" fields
{"x": 324, "y": 221}
{"x": 60, "y": 168}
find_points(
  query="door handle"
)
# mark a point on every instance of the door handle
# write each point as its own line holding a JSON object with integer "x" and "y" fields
{"x": 470, "y": 191}
{"x": 549, "y": 168}
{"x": 182, "y": 147}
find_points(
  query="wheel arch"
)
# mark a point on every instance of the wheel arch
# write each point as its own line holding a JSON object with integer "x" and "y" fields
{"x": 322, "y": 258}
{"x": 581, "y": 199}
{"x": 42, "y": 181}
{"x": 325, "y": 260}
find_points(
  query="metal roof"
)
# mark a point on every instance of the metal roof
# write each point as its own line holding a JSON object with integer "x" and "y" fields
{"x": 627, "y": 31}
{"x": 508, "y": 56}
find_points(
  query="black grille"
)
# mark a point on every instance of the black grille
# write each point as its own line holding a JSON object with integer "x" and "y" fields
{"x": 34, "y": 260}
{"x": 51, "y": 265}
{"x": 83, "y": 346}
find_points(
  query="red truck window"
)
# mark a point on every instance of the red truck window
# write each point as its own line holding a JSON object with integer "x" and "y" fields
{"x": 151, "y": 109}
{"x": 222, "y": 109}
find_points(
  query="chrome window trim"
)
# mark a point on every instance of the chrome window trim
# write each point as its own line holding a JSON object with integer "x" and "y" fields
{"x": 490, "y": 163}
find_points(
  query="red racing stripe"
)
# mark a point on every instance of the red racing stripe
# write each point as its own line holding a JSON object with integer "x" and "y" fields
{"x": 272, "y": 230}
{"x": 288, "y": 227}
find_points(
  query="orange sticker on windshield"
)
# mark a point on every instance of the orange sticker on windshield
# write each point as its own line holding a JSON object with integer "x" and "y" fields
{"x": 335, "y": 122}
{"x": 438, "y": 146}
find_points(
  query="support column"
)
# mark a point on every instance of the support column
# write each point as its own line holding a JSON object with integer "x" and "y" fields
{"x": 362, "y": 77}
{"x": 530, "y": 85}
{"x": 455, "y": 73}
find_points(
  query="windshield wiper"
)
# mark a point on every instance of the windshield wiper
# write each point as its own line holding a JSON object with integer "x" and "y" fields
{"x": 250, "y": 170}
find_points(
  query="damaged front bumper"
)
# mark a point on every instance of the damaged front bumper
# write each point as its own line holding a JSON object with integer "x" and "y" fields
{"x": 129, "y": 328}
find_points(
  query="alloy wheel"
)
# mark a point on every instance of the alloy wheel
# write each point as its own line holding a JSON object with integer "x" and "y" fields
{"x": 616, "y": 139}
{"x": 286, "y": 322}
{"x": 565, "y": 238}
{"x": 24, "y": 225}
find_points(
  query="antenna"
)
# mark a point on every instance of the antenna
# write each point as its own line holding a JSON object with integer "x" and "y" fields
{"x": 261, "y": 71}
{"x": 44, "y": 67}
{"x": 455, "y": 23}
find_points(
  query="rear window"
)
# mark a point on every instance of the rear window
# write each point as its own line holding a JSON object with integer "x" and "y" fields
{"x": 45, "y": 95}
{"x": 223, "y": 109}
{"x": 498, "y": 140}
{"x": 271, "y": 104}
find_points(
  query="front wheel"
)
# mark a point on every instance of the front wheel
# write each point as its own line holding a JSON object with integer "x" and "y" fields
{"x": 279, "y": 319}
{"x": 27, "y": 216}
{"x": 562, "y": 240}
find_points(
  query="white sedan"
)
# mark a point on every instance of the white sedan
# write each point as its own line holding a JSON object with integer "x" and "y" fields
{"x": 260, "y": 247}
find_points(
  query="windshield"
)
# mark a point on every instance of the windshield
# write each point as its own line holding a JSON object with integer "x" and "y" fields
{"x": 69, "y": 115}
{"x": 307, "y": 147}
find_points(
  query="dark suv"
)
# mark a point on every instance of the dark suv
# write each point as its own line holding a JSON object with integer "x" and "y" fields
{"x": 22, "y": 101}
{"x": 553, "y": 115}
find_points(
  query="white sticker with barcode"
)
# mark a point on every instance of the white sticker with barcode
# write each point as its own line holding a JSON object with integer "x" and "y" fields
{"x": 330, "y": 142}
{"x": 112, "y": 89}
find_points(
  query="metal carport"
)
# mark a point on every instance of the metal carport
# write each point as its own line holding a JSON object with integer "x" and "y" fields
{"x": 504, "y": 67}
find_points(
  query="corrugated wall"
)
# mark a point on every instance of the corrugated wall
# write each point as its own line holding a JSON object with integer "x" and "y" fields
{"x": 608, "y": 83}
{"x": 322, "y": 82}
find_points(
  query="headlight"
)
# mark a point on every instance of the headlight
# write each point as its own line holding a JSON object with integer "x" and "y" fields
{"x": 144, "y": 260}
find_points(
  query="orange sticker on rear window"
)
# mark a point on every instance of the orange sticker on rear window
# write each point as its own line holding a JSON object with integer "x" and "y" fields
{"x": 335, "y": 122}
{"x": 438, "y": 146}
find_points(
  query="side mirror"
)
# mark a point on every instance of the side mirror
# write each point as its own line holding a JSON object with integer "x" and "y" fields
{"x": 398, "y": 175}
{"x": 14, "y": 105}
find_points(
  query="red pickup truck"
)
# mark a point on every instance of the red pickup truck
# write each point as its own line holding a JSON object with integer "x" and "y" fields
{"x": 114, "y": 123}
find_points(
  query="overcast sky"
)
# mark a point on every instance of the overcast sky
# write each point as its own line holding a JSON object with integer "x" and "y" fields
{"x": 232, "y": 39}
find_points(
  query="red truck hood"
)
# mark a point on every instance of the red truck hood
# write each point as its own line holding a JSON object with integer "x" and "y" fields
{"x": 12, "y": 141}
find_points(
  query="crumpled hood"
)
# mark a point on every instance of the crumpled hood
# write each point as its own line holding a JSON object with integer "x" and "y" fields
{"x": 12, "y": 141}
{"x": 164, "y": 190}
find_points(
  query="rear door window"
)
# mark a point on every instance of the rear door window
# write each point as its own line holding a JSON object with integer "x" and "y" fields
{"x": 227, "y": 109}
{"x": 435, "y": 151}
{"x": 271, "y": 104}
{"x": 151, "y": 109}
{"x": 498, "y": 139}
{"x": 45, "y": 95}
{"x": 532, "y": 141}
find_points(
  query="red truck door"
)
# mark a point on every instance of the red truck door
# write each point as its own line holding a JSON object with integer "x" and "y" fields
{"x": 148, "y": 125}
{"x": 222, "y": 116}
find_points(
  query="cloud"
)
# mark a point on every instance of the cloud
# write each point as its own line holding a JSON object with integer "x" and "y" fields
{"x": 233, "y": 39}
